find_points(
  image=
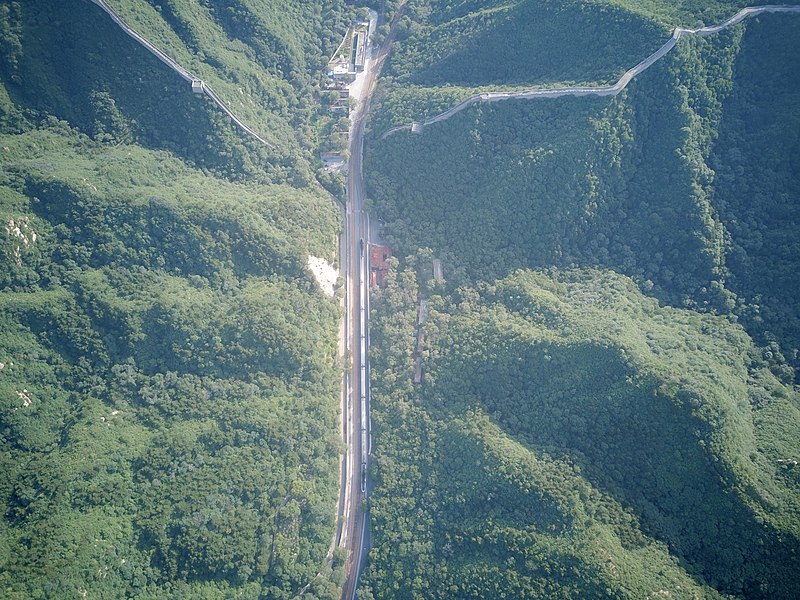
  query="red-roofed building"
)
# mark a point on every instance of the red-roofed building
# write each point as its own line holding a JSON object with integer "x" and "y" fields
{"x": 378, "y": 264}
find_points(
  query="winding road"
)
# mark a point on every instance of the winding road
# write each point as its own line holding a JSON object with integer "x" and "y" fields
{"x": 603, "y": 90}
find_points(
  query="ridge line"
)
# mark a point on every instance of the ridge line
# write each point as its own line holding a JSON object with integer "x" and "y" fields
{"x": 194, "y": 80}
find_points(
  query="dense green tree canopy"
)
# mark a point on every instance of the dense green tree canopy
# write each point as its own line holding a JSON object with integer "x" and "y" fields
{"x": 571, "y": 439}
{"x": 672, "y": 182}
{"x": 608, "y": 405}
{"x": 169, "y": 379}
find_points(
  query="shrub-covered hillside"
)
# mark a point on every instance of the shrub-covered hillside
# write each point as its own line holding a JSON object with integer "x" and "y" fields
{"x": 169, "y": 379}
{"x": 672, "y": 182}
{"x": 507, "y": 42}
{"x": 567, "y": 180}
{"x": 608, "y": 405}
{"x": 756, "y": 187}
{"x": 264, "y": 59}
{"x": 573, "y": 439}
{"x": 525, "y": 42}
{"x": 169, "y": 383}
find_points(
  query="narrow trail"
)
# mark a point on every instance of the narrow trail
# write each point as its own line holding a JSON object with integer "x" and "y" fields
{"x": 193, "y": 80}
{"x": 603, "y": 90}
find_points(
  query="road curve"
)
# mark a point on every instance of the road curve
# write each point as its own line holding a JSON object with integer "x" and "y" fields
{"x": 179, "y": 70}
{"x": 603, "y": 90}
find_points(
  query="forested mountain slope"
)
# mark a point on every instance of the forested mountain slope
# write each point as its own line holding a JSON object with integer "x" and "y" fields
{"x": 756, "y": 188}
{"x": 453, "y": 50}
{"x": 506, "y": 42}
{"x": 628, "y": 183}
{"x": 169, "y": 379}
{"x": 525, "y": 42}
{"x": 71, "y": 60}
{"x": 620, "y": 418}
{"x": 573, "y": 439}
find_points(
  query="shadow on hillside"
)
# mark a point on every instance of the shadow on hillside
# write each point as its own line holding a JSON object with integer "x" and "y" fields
{"x": 639, "y": 442}
{"x": 531, "y": 43}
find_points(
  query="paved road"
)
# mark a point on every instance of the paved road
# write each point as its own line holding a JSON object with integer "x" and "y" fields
{"x": 357, "y": 229}
{"x": 351, "y": 527}
{"x": 605, "y": 90}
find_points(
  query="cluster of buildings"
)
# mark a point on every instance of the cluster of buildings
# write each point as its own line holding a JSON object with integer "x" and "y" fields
{"x": 351, "y": 55}
{"x": 341, "y": 106}
{"x": 348, "y": 60}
